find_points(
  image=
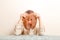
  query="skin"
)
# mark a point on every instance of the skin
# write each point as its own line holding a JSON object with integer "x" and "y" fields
{"x": 29, "y": 21}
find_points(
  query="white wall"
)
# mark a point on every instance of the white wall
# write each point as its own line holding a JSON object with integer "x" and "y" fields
{"x": 48, "y": 9}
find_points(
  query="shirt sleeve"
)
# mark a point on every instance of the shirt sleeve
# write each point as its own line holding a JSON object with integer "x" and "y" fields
{"x": 19, "y": 26}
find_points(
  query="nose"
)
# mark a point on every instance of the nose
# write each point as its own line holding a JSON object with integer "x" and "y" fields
{"x": 29, "y": 22}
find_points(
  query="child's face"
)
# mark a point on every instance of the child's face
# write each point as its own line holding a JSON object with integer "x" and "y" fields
{"x": 29, "y": 21}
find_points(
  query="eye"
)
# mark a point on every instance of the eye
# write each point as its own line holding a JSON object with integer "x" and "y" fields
{"x": 31, "y": 19}
{"x": 24, "y": 17}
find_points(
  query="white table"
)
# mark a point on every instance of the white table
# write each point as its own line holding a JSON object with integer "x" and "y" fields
{"x": 31, "y": 37}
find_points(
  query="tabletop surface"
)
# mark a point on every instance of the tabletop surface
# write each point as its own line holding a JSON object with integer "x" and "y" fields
{"x": 29, "y": 37}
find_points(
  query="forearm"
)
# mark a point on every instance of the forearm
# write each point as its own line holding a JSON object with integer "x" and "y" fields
{"x": 19, "y": 27}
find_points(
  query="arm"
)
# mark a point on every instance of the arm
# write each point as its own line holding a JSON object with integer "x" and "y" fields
{"x": 38, "y": 25}
{"x": 19, "y": 27}
{"x": 41, "y": 29}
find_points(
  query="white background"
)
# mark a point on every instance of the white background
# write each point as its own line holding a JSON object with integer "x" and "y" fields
{"x": 49, "y": 11}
